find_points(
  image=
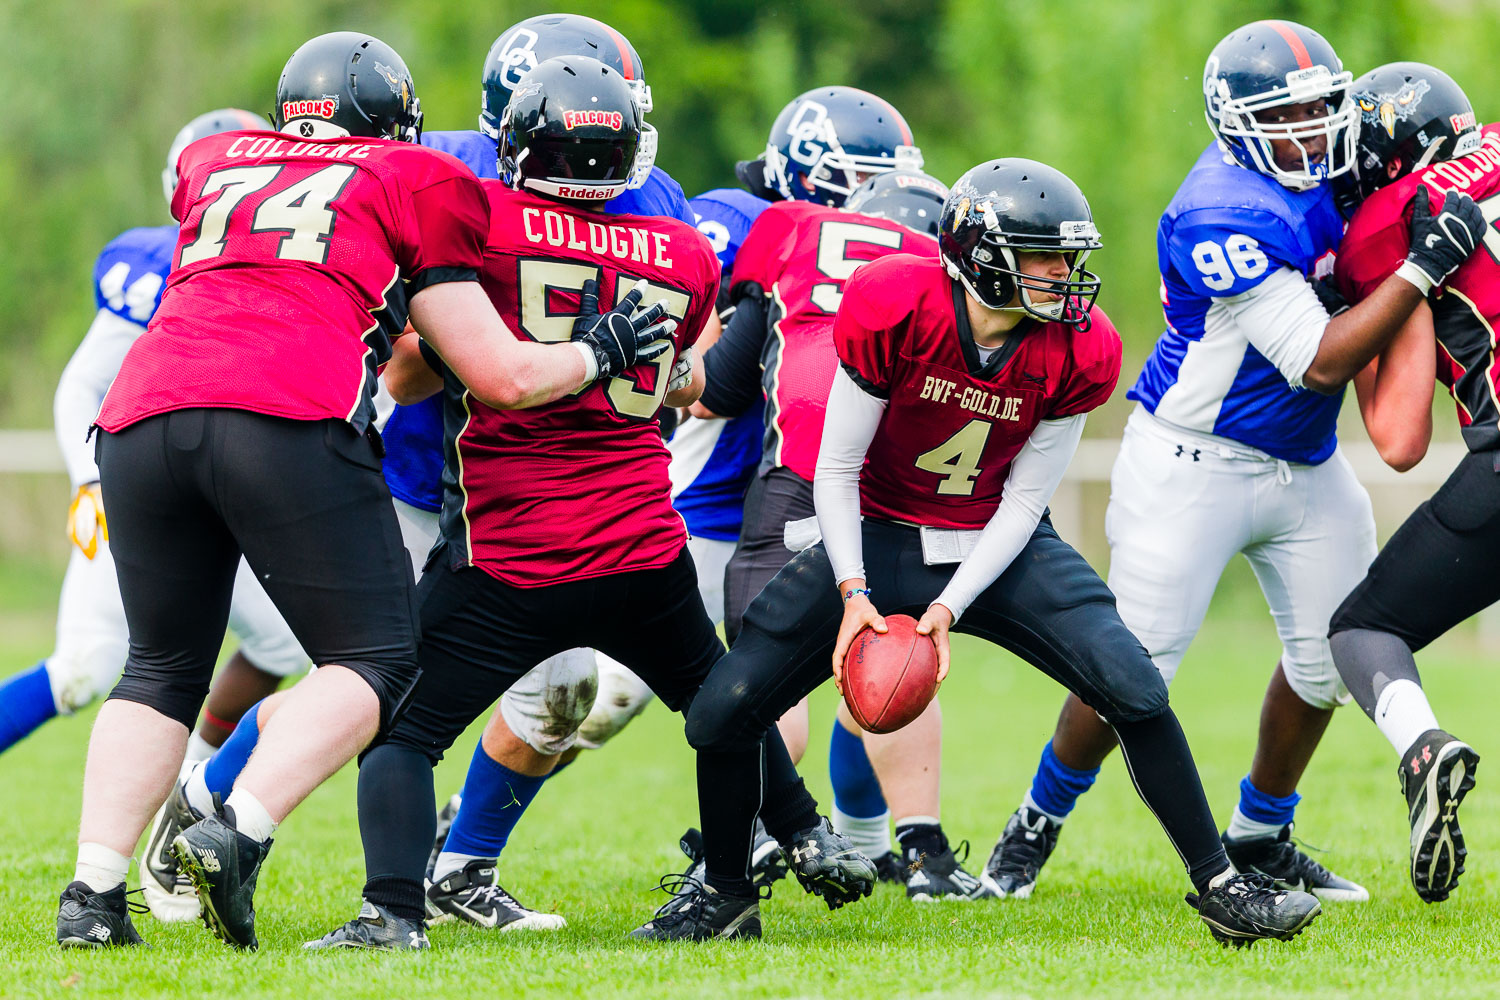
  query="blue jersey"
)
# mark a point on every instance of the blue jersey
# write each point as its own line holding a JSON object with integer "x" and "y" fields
{"x": 1226, "y": 230}
{"x": 132, "y": 270}
{"x": 414, "y": 434}
{"x": 713, "y": 461}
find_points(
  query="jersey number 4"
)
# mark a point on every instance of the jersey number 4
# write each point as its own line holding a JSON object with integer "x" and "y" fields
{"x": 957, "y": 459}
{"x": 300, "y": 210}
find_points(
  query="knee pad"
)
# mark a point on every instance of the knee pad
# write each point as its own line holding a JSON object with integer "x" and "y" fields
{"x": 1311, "y": 674}
{"x": 84, "y": 668}
{"x": 621, "y": 697}
{"x": 545, "y": 708}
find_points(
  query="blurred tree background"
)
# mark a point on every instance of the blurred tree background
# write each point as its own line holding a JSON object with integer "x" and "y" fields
{"x": 1106, "y": 90}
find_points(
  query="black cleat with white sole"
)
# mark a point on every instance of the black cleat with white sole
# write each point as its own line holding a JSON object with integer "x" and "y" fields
{"x": 890, "y": 868}
{"x": 473, "y": 896}
{"x": 1243, "y": 909}
{"x": 89, "y": 919}
{"x": 698, "y": 912}
{"x": 1436, "y": 773}
{"x": 1281, "y": 859}
{"x": 168, "y": 892}
{"x": 828, "y": 865}
{"x": 223, "y": 865}
{"x": 939, "y": 877}
{"x": 375, "y": 929}
{"x": 1027, "y": 842}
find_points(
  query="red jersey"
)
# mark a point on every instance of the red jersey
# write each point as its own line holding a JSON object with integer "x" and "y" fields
{"x": 1466, "y": 307}
{"x": 576, "y": 488}
{"x": 801, "y": 254}
{"x": 954, "y": 423}
{"x": 287, "y": 281}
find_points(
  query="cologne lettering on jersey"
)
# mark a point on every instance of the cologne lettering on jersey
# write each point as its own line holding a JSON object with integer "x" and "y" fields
{"x": 269, "y": 147}
{"x": 1465, "y": 170}
{"x": 627, "y": 243}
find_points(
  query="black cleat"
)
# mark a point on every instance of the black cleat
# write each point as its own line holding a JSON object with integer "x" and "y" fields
{"x": 938, "y": 876}
{"x": 473, "y": 896}
{"x": 168, "y": 892}
{"x": 1028, "y": 841}
{"x": 698, "y": 912}
{"x": 223, "y": 864}
{"x": 375, "y": 929}
{"x": 89, "y": 919}
{"x": 1245, "y": 908}
{"x": 827, "y": 864}
{"x": 1436, "y": 773}
{"x": 1290, "y": 868}
{"x": 890, "y": 868}
{"x": 767, "y": 862}
{"x": 445, "y": 819}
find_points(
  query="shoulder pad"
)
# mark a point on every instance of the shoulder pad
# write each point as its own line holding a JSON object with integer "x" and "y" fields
{"x": 659, "y": 195}
{"x": 132, "y": 270}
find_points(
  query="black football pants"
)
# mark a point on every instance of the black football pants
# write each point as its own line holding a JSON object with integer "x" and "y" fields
{"x": 1049, "y": 607}
{"x": 771, "y": 501}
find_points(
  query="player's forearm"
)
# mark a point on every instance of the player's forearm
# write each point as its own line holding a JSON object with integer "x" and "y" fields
{"x": 733, "y": 364}
{"x": 852, "y": 418}
{"x": 1395, "y": 393}
{"x": 1353, "y": 338}
{"x": 407, "y": 376}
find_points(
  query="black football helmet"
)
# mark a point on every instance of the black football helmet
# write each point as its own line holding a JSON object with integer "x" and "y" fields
{"x": 834, "y": 137}
{"x": 207, "y": 124}
{"x": 1271, "y": 64}
{"x": 1412, "y": 115}
{"x": 571, "y": 131}
{"x": 347, "y": 83}
{"x": 1012, "y": 205}
{"x": 524, "y": 46}
{"x": 909, "y": 197}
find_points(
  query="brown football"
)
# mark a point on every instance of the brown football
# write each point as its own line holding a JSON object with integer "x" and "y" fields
{"x": 889, "y": 679}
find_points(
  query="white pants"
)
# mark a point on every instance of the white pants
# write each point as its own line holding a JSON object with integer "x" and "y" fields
{"x": 1182, "y": 503}
{"x": 93, "y": 639}
{"x": 577, "y": 696}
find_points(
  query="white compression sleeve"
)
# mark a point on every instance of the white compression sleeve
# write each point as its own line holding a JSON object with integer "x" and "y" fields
{"x": 852, "y": 418}
{"x": 81, "y": 389}
{"x": 1029, "y": 486}
{"x": 1283, "y": 320}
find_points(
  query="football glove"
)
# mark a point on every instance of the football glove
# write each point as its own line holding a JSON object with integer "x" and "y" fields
{"x": 624, "y": 335}
{"x": 1327, "y": 294}
{"x": 682, "y": 372}
{"x": 1442, "y": 242}
{"x": 86, "y": 527}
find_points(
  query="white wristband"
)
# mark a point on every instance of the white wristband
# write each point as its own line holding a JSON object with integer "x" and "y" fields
{"x": 1414, "y": 274}
{"x": 590, "y": 363}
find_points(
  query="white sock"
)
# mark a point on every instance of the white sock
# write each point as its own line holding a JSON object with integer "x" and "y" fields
{"x": 1030, "y": 803}
{"x": 449, "y": 862}
{"x": 1403, "y": 715}
{"x": 198, "y": 795}
{"x": 870, "y": 835}
{"x": 100, "y": 868}
{"x": 199, "y": 748}
{"x": 250, "y": 817}
{"x": 1242, "y": 827}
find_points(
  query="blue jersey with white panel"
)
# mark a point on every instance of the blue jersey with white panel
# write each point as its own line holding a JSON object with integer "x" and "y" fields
{"x": 713, "y": 461}
{"x": 1226, "y": 230}
{"x": 132, "y": 271}
{"x": 414, "y": 434}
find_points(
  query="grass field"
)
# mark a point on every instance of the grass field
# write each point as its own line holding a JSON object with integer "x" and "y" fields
{"x": 1107, "y": 920}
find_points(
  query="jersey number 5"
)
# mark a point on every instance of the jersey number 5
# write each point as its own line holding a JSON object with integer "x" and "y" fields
{"x": 957, "y": 459}
{"x": 540, "y": 278}
{"x": 300, "y": 210}
{"x": 834, "y": 261}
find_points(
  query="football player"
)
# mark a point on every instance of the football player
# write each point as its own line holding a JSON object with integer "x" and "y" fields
{"x": 1418, "y": 145}
{"x": 779, "y": 346}
{"x": 1232, "y": 448}
{"x": 300, "y": 255}
{"x": 599, "y": 555}
{"x": 960, "y": 399}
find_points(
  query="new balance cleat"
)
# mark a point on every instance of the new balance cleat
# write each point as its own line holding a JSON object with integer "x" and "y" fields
{"x": 223, "y": 865}
{"x": 1286, "y": 864}
{"x": 375, "y": 929}
{"x": 1436, "y": 773}
{"x": 698, "y": 912}
{"x": 168, "y": 892}
{"x": 88, "y": 919}
{"x": 1244, "y": 909}
{"x": 938, "y": 876}
{"x": 1028, "y": 841}
{"x": 828, "y": 865}
{"x": 445, "y": 818}
{"x": 890, "y": 868}
{"x": 473, "y": 896}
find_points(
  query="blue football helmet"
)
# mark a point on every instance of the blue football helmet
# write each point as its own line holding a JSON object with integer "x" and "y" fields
{"x": 207, "y": 124}
{"x": 521, "y": 47}
{"x": 834, "y": 138}
{"x": 1271, "y": 64}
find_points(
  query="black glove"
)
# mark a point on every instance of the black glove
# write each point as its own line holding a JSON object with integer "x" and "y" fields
{"x": 621, "y": 337}
{"x": 1442, "y": 242}
{"x": 1327, "y": 294}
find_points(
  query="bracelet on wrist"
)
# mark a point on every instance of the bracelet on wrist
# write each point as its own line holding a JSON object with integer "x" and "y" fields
{"x": 853, "y": 591}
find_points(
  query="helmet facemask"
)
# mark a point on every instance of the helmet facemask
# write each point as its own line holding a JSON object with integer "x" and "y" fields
{"x": 995, "y": 278}
{"x": 1235, "y": 121}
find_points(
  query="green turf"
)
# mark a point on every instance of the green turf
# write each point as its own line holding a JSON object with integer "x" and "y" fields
{"x": 1106, "y": 921}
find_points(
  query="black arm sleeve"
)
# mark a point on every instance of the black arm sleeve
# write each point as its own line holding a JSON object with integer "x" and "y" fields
{"x": 732, "y": 366}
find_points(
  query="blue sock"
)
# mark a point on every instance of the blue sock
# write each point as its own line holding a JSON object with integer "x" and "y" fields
{"x": 25, "y": 703}
{"x": 856, "y": 790}
{"x": 1056, "y": 787}
{"x": 494, "y": 799}
{"x": 229, "y": 760}
{"x": 1262, "y": 808}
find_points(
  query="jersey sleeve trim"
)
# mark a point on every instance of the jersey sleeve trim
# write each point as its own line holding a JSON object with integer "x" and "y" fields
{"x": 439, "y": 276}
{"x": 864, "y": 383}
